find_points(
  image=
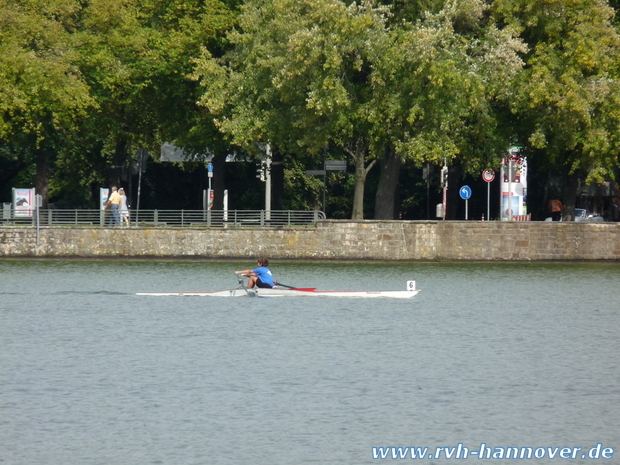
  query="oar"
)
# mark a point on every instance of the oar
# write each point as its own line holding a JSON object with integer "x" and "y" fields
{"x": 278, "y": 283}
{"x": 295, "y": 287}
{"x": 251, "y": 293}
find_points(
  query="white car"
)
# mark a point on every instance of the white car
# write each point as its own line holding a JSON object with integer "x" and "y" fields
{"x": 581, "y": 214}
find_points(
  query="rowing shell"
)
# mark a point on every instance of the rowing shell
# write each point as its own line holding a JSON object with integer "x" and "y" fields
{"x": 306, "y": 292}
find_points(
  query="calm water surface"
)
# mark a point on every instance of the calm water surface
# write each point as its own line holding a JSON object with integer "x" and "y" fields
{"x": 510, "y": 355}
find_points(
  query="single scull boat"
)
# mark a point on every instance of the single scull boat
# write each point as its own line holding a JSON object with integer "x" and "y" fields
{"x": 279, "y": 291}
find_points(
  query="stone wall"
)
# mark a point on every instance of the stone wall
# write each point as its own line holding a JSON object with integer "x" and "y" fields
{"x": 331, "y": 240}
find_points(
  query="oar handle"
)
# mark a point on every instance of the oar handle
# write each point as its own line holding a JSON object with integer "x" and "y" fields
{"x": 249, "y": 292}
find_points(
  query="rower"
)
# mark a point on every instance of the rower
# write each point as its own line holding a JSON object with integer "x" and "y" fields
{"x": 259, "y": 277}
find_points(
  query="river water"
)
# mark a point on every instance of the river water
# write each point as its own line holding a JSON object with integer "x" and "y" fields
{"x": 501, "y": 354}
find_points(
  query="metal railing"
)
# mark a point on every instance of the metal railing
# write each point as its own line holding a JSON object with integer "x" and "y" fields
{"x": 163, "y": 218}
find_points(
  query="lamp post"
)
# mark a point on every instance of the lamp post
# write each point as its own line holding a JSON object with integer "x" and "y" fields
{"x": 444, "y": 184}
{"x": 268, "y": 183}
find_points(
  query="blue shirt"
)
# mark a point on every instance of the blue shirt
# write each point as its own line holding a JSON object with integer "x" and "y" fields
{"x": 264, "y": 275}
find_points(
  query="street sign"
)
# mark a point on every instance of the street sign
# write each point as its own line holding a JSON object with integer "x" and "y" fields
{"x": 465, "y": 193}
{"x": 210, "y": 167}
{"x": 335, "y": 165}
{"x": 488, "y": 175}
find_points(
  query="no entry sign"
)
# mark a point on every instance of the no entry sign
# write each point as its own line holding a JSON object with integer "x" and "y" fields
{"x": 488, "y": 175}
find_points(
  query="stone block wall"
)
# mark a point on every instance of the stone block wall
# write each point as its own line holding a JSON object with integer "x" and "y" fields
{"x": 330, "y": 240}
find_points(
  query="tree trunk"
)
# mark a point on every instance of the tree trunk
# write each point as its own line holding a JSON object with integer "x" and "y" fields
{"x": 218, "y": 180}
{"x": 359, "y": 158}
{"x": 538, "y": 193}
{"x": 120, "y": 159}
{"x": 358, "y": 196}
{"x": 42, "y": 160}
{"x": 569, "y": 194}
{"x": 385, "y": 199}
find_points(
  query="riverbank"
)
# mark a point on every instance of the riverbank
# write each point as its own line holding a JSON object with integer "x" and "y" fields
{"x": 329, "y": 240}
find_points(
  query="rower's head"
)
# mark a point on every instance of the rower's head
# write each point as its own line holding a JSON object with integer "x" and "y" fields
{"x": 262, "y": 261}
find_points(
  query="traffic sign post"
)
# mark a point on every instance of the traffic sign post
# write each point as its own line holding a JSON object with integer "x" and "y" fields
{"x": 465, "y": 193}
{"x": 207, "y": 203}
{"x": 210, "y": 174}
{"x": 488, "y": 176}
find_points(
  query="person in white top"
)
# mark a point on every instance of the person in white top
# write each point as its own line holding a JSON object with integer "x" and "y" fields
{"x": 124, "y": 208}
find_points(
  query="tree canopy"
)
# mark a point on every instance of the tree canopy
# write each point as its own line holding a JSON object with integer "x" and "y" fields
{"x": 306, "y": 73}
{"x": 566, "y": 98}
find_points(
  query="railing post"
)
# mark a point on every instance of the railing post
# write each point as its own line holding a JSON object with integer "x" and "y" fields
{"x": 155, "y": 217}
{"x": 262, "y": 217}
{"x": 37, "y": 215}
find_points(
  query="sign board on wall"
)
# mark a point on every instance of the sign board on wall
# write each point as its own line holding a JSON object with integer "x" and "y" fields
{"x": 104, "y": 194}
{"x": 23, "y": 201}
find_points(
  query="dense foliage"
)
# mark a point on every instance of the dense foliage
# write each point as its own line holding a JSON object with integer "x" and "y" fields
{"x": 396, "y": 88}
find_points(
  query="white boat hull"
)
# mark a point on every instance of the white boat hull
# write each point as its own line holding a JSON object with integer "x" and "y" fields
{"x": 289, "y": 293}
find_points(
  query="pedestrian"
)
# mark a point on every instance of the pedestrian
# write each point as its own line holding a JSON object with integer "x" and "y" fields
{"x": 124, "y": 209}
{"x": 114, "y": 203}
{"x": 261, "y": 276}
{"x": 555, "y": 207}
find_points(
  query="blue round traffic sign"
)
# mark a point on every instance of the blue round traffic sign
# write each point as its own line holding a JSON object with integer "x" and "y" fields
{"x": 465, "y": 192}
{"x": 210, "y": 167}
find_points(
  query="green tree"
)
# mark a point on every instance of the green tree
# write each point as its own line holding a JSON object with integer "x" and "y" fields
{"x": 132, "y": 58}
{"x": 297, "y": 78}
{"x": 139, "y": 54}
{"x": 185, "y": 28}
{"x": 44, "y": 94}
{"x": 439, "y": 87}
{"x": 567, "y": 98}
{"x": 85, "y": 84}
{"x": 305, "y": 73}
